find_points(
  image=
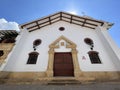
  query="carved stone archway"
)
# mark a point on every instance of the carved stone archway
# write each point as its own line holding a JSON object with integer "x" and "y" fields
{"x": 74, "y": 52}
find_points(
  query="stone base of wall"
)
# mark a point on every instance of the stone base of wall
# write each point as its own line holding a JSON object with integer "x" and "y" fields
{"x": 42, "y": 76}
{"x": 22, "y": 75}
{"x": 102, "y": 76}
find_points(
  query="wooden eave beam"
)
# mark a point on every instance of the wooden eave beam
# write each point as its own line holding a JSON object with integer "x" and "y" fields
{"x": 43, "y": 23}
{"x": 63, "y": 16}
{"x": 79, "y": 24}
{"x": 84, "y": 18}
{"x": 80, "y": 21}
{"x": 37, "y": 24}
{"x": 50, "y": 20}
{"x": 60, "y": 15}
{"x": 71, "y": 19}
{"x": 65, "y": 21}
{"x": 43, "y": 26}
{"x": 38, "y": 20}
{"x": 84, "y": 23}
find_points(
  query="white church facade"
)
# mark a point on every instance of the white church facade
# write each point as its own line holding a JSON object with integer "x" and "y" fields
{"x": 63, "y": 45}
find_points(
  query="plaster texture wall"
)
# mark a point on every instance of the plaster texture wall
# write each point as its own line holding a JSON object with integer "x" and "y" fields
{"x": 16, "y": 62}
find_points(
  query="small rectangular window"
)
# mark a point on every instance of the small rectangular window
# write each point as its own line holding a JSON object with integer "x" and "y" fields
{"x": 32, "y": 58}
{"x": 94, "y": 57}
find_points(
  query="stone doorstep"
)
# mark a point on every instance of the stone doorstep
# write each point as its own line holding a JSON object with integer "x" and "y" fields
{"x": 49, "y": 81}
{"x": 74, "y": 82}
{"x": 66, "y": 80}
{"x": 63, "y": 81}
{"x": 55, "y": 81}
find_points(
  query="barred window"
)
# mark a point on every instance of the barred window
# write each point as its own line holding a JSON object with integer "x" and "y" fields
{"x": 94, "y": 57}
{"x": 32, "y": 58}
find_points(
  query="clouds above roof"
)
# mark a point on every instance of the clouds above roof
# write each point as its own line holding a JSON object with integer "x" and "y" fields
{"x": 5, "y": 25}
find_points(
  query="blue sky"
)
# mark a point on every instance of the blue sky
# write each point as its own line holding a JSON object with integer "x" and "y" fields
{"x": 22, "y": 11}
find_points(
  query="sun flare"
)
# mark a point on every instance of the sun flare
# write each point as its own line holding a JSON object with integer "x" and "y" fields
{"x": 73, "y": 12}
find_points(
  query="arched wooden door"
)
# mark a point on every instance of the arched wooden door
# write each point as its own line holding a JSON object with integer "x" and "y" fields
{"x": 63, "y": 64}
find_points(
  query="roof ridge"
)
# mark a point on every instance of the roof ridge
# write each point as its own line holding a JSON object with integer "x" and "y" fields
{"x": 85, "y": 21}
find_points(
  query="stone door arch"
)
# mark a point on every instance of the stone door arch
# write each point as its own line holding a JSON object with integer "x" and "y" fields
{"x": 74, "y": 52}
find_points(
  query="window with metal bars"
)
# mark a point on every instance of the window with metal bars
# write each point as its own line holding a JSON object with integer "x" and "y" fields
{"x": 94, "y": 57}
{"x": 32, "y": 58}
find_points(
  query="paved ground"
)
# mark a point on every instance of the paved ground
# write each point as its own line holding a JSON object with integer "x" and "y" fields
{"x": 97, "y": 86}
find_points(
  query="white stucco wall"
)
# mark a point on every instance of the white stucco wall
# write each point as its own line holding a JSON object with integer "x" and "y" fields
{"x": 19, "y": 55}
{"x": 110, "y": 46}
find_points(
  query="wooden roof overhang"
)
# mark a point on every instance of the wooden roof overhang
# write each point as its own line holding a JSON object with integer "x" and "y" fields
{"x": 7, "y": 32}
{"x": 62, "y": 16}
{"x": 8, "y": 36}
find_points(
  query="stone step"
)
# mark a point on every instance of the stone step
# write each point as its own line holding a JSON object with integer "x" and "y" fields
{"x": 69, "y": 80}
{"x": 63, "y": 78}
{"x": 73, "y": 78}
{"x": 63, "y": 82}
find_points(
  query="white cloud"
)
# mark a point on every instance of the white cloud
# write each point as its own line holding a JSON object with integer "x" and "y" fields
{"x": 5, "y": 25}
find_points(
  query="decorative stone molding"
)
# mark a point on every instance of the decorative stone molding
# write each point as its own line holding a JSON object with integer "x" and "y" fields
{"x": 74, "y": 52}
{"x": 70, "y": 43}
{"x": 62, "y": 44}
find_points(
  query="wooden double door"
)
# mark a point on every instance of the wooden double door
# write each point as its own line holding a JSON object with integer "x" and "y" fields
{"x": 63, "y": 64}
